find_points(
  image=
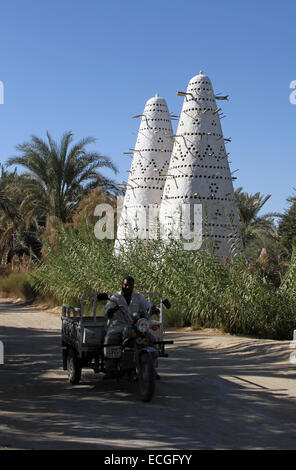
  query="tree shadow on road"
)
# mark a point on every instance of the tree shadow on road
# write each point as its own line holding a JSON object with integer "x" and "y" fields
{"x": 196, "y": 406}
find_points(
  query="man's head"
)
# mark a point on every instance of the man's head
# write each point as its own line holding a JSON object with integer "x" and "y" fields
{"x": 128, "y": 285}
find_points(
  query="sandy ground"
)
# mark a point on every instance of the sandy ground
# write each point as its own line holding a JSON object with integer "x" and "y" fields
{"x": 216, "y": 392}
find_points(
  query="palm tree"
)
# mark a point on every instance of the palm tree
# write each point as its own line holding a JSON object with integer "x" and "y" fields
{"x": 86, "y": 207}
{"x": 7, "y": 202}
{"x": 18, "y": 231}
{"x": 287, "y": 225}
{"x": 59, "y": 176}
{"x": 252, "y": 225}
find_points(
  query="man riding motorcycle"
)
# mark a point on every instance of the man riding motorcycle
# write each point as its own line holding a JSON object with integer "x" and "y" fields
{"x": 118, "y": 310}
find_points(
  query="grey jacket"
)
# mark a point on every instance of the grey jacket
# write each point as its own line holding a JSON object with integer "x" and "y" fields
{"x": 122, "y": 317}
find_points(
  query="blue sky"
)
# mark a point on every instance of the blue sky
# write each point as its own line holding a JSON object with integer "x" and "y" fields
{"x": 89, "y": 66}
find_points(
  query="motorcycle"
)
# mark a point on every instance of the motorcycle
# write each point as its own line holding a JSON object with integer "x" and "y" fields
{"x": 137, "y": 356}
{"x": 83, "y": 344}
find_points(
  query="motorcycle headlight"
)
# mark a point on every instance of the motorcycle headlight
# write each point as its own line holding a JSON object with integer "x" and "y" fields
{"x": 143, "y": 325}
{"x": 128, "y": 332}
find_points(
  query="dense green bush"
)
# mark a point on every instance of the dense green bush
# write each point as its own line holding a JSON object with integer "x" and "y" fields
{"x": 203, "y": 292}
{"x": 17, "y": 284}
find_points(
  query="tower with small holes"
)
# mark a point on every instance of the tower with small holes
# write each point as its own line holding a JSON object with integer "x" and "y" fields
{"x": 151, "y": 158}
{"x": 199, "y": 171}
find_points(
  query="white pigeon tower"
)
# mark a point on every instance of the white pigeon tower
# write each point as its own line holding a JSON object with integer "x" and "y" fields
{"x": 151, "y": 157}
{"x": 199, "y": 173}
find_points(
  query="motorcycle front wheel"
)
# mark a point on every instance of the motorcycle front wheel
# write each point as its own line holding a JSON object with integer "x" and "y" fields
{"x": 146, "y": 377}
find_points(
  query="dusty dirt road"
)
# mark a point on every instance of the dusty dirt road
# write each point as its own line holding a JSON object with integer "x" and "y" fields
{"x": 216, "y": 392}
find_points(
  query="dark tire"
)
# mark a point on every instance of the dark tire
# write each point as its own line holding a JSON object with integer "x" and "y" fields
{"x": 146, "y": 377}
{"x": 73, "y": 367}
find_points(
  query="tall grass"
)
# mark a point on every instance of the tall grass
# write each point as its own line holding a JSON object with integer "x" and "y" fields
{"x": 203, "y": 292}
{"x": 17, "y": 284}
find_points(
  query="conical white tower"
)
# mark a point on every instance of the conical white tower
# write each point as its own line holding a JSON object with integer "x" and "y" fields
{"x": 199, "y": 172}
{"x": 151, "y": 158}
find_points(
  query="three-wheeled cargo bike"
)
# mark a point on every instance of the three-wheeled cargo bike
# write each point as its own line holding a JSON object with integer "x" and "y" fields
{"x": 83, "y": 342}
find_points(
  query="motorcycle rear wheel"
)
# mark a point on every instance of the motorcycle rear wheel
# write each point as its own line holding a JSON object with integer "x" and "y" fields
{"x": 73, "y": 367}
{"x": 146, "y": 377}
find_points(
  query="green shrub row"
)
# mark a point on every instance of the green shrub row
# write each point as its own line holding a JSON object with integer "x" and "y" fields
{"x": 17, "y": 285}
{"x": 203, "y": 292}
